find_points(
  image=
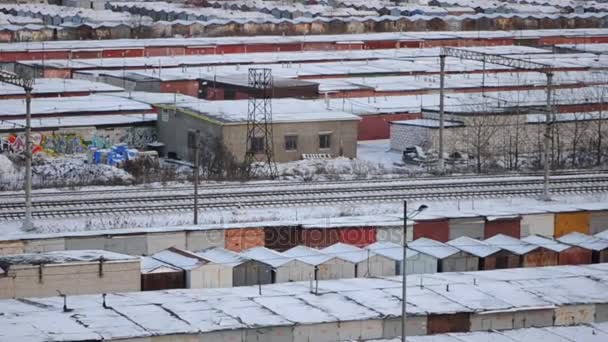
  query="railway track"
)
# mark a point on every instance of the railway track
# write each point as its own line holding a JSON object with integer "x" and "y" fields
{"x": 150, "y": 201}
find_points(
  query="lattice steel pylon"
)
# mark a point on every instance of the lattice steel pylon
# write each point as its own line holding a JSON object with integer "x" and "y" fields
{"x": 259, "y": 154}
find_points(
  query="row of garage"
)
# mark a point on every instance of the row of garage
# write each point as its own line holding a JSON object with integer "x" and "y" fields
{"x": 219, "y": 267}
{"x": 320, "y": 233}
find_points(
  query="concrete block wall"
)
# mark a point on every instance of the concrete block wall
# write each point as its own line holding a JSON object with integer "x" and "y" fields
{"x": 403, "y": 136}
{"x": 71, "y": 279}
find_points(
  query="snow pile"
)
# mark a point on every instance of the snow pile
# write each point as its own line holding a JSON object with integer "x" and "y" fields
{"x": 9, "y": 174}
{"x": 59, "y": 171}
{"x": 335, "y": 169}
{"x": 74, "y": 171}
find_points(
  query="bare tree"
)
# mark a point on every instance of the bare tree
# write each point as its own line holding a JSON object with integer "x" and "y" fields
{"x": 482, "y": 137}
{"x": 598, "y": 94}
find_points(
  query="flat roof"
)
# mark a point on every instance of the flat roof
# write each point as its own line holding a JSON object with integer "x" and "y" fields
{"x": 59, "y": 85}
{"x": 60, "y": 257}
{"x": 287, "y": 110}
{"x": 198, "y": 311}
{"x": 92, "y": 103}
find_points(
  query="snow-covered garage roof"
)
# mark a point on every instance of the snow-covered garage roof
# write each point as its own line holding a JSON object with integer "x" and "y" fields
{"x": 142, "y": 314}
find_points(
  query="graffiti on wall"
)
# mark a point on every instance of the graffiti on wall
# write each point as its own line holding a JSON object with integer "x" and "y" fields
{"x": 70, "y": 143}
{"x": 15, "y": 143}
{"x": 139, "y": 137}
{"x": 63, "y": 143}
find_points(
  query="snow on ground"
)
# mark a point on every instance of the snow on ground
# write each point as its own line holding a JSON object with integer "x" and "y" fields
{"x": 374, "y": 160}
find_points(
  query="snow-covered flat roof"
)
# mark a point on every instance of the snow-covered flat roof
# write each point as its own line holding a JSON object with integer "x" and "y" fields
{"x": 92, "y": 103}
{"x": 433, "y": 248}
{"x": 591, "y": 242}
{"x": 59, "y": 85}
{"x": 284, "y": 111}
{"x": 60, "y": 257}
{"x": 473, "y": 246}
{"x": 427, "y": 123}
{"x": 80, "y": 121}
{"x": 347, "y": 252}
{"x": 511, "y": 244}
{"x": 192, "y": 311}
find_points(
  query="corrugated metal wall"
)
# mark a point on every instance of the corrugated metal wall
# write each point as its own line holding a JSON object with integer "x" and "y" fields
{"x": 438, "y": 324}
{"x": 163, "y": 281}
{"x": 459, "y": 262}
{"x": 472, "y": 227}
{"x": 506, "y": 226}
{"x": 539, "y": 257}
{"x": 538, "y": 224}
{"x": 499, "y": 260}
{"x": 438, "y": 230}
{"x": 243, "y": 238}
{"x": 598, "y": 221}
{"x": 575, "y": 256}
{"x": 571, "y": 222}
{"x": 357, "y": 236}
{"x": 282, "y": 238}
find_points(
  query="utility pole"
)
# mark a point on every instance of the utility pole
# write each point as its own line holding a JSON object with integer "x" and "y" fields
{"x": 420, "y": 209}
{"x": 27, "y": 85}
{"x": 197, "y": 139}
{"x": 441, "y": 110}
{"x": 547, "y": 138}
{"x": 28, "y": 222}
{"x": 517, "y": 64}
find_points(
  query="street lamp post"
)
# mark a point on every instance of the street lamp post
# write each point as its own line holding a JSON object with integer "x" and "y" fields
{"x": 406, "y": 216}
{"x": 26, "y": 84}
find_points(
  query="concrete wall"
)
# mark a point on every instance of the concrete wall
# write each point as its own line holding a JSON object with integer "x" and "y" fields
{"x": 173, "y": 127}
{"x": 598, "y": 221}
{"x": 71, "y": 279}
{"x": 209, "y": 275}
{"x": 251, "y": 273}
{"x": 574, "y": 314}
{"x": 511, "y": 133}
{"x": 376, "y": 266}
{"x": 343, "y": 139}
{"x": 294, "y": 271}
{"x": 336, "y": 269}
{"x": 402, "y": 136}
{"x": 538, "y": 224}
{"x": 459, "y": 262}
{"x": 199, "y": 240}
{"x": 421, "y": 263}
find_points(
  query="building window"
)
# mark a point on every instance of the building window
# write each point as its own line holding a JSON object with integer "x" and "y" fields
{"x": 229, "y": 94}
{"x": 291, "y": 142}
{"x": 165, "y": 116}
{"x": 324, "y": 141}
{"x": 257, "y": 145}
{"x": 202, "y": 91}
